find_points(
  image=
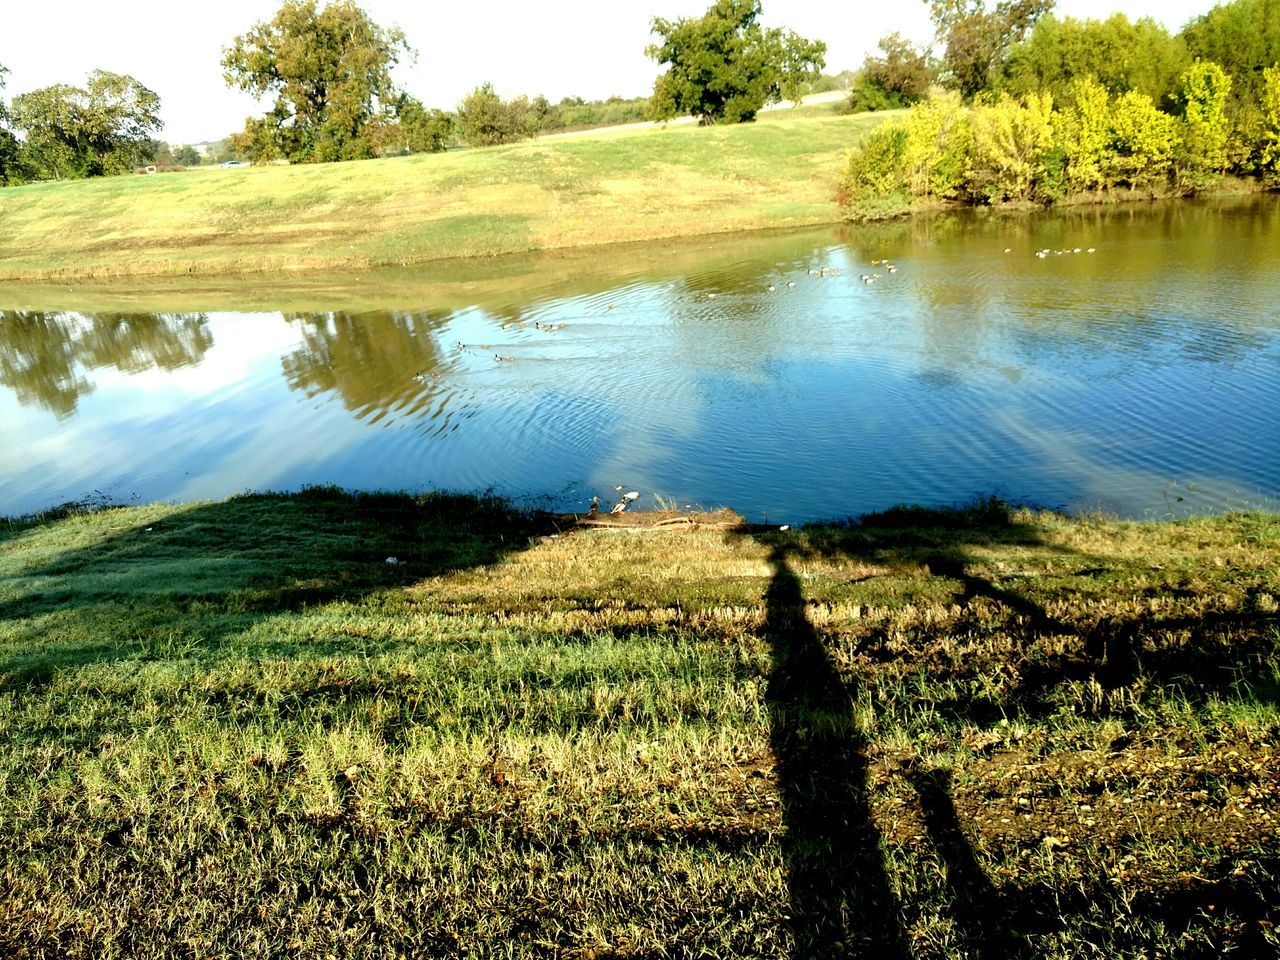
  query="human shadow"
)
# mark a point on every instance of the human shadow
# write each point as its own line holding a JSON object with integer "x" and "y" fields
{"x": 841, "y": 888}
{"x": 841, "y": 901}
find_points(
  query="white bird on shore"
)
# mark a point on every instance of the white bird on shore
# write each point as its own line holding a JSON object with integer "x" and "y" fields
{"x": 626, "y": 499}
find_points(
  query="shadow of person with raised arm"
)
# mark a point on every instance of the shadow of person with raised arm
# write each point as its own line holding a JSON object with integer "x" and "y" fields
{"x": 840, "y": 883}
{"x": 841, "y": 901}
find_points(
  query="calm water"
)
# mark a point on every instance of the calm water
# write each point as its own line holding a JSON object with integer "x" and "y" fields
{"x": 1143, "y": 378}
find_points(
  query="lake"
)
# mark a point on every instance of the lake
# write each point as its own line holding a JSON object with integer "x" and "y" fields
{"x": 1124, "y": 359}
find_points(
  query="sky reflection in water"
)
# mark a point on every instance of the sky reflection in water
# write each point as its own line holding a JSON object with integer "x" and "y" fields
{"x": 1143, "y": 378}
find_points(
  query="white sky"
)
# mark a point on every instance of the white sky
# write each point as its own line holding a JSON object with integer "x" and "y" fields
{"x": 591, "y": 48}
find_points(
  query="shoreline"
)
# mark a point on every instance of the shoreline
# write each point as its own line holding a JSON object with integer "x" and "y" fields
{"x": 255, "y": 270}
{"x": 435, "y": 725}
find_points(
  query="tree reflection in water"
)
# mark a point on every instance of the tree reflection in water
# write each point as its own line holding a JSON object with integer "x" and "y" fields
{"x": 44, "y": 357}
{"x": 379, "y": 364}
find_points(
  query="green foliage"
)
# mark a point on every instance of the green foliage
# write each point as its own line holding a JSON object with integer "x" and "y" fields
{"x": 1243, "y": 36}
{"x": 187, "y": 155}
{"x": 10, "y": 148}
{"x": 1122, "y": 55}
{"x": 329, "y": 71}
{"x": 939, "y": 140}
{"x": 723, "y": 66}
{"x": 1142, "y": 142}
{"x": 415, "y": 129}
{"x": 486, "y": 119}
{"x": 977, "y": 38}
{"x": 1009, "y": 141}
{"x": 72, "y": 132}
{"x": 1269, "y": 152}
{"x": 878, "y": 168}
{"x": 899, "y": 77}
{"x": 1205, "y": 126}
{"x": 1084, "y": 126}
{"x": 575, "y": 113}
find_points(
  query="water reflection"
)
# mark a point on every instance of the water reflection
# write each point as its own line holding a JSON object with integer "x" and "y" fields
{"x": 44, "y": 356}
{"x": 381, "y": 365}
{"x": 756, "y": 372}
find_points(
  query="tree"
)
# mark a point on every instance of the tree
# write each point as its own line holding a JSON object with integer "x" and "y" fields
{"x": 1084, "y": 129}
{"x": 103, "y": 129}
{"x": 10, "y": 148}
{"x": 1205, "y": 126}
{"x": 1010, "y": 142}
{"x": 329, "y": 71}
{"x": 1143, "y": 141}
{"x": 187, "y": 155}
{"x": 899, "y": 77}
{"x": 418, "y": 130}
{"x": 1269, "y": 152}
{"x": 723, "y": 66}
{"x": 1122, "y": 55}
{"x": 1243, "y": 37}
{"x": 486, "y": 119}
{"x": 977, "y": 39}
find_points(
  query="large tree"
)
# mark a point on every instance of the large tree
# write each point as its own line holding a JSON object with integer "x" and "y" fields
{"x": 330, "y": 72}
{"x": 10, "y": 161}
{"x": 725, "y": 66}
{"x": 101, "y": 129}
{"x": 1242, "y": 36}
{"x": 977, "y": 38}
{"x": 1123, "y": 55}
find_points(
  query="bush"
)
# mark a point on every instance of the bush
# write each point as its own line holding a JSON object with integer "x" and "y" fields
{"x": 1269, "y": 126}
{"x": 486, "y": 119}
{"x": 1142, "y": 142}
{"x": 1009, "y": 141}
{"x": 939, "y": 140}
{"x": 877, "y": 169}
{"x": 1084, "y": 131}
{"x": 1205, "y": 127}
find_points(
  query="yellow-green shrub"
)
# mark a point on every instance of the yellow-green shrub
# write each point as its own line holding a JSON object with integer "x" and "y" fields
{"x": 1142, "y": 142}
{"x": 938, "y": 142}
{"x": 1205, "y": 126}
{"x": 1084, "y": 130}
{"x": 874, "y": 182}
{"x": 1010, "y": 140}
{"x": 1269, "y": 154}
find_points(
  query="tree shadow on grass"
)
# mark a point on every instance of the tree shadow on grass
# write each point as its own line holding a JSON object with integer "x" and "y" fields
{"x": 200, "y": 578}
{"x": 842, "y": 901}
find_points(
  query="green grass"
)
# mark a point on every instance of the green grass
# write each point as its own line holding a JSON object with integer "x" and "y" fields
{"x": 233, "y": 729}
{"x": 638, "y": 184}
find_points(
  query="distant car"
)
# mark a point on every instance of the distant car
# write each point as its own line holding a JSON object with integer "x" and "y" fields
{"x": 236, "y": 163}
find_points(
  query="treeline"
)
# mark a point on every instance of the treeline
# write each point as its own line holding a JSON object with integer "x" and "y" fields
{"x": 327, "y": 71}
{"x": 1045, "y": 109}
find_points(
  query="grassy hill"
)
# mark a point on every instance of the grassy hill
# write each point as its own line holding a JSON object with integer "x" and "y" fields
{"x": 237, "y": 729}
{"x": 620, "y": 185}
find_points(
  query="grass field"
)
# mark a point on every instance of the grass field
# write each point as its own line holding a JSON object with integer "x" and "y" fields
{"x": 235, "y": 729}
{"x": 629, "y": 185}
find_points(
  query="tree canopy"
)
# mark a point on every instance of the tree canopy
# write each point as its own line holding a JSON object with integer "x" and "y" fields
{"x": 486, "y": 119}
{"x": 101, "y": 129}
{"x": 330, "y": 72}
{"x": 1243, "y": 37}
{"x": 723, "y": 66}
{"x": 898, "y": 77}
{"x": 10, "y": 157}
{"x": 1122, "y": 55}
{"x": 977, "y": 38}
